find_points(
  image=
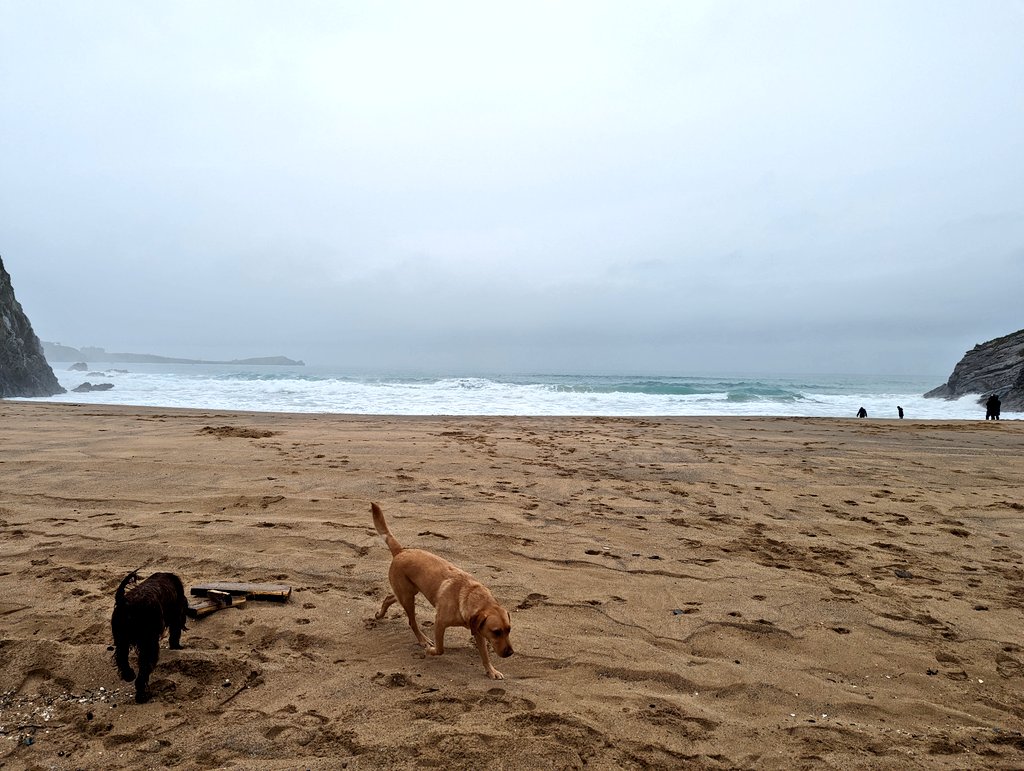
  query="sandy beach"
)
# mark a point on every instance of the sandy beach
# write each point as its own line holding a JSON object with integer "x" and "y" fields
{"x": 700, "y": 593}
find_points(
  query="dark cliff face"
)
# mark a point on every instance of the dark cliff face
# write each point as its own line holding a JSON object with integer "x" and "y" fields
{"x": 995, "y": 367}
{"x": 23, "y": 369}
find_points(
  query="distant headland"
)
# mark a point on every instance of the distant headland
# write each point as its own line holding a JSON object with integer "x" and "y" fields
{"x": 58, "y": 352}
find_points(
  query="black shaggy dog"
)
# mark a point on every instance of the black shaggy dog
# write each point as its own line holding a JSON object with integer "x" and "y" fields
{"x": 139, "y": 619}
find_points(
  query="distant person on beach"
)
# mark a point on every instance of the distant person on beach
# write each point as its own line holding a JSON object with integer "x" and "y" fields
{"x": 862, "y": 413}
{"x": 899, "y": 411}
{"x": 992, "y": 407}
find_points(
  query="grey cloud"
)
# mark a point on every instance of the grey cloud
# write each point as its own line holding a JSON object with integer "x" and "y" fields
{"x": 682, "y": 187}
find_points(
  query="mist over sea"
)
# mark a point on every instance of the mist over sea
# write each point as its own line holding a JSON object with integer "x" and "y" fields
{"x": 325, "y": 389}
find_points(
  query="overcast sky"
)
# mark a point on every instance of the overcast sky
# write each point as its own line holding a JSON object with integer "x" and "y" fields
{"x": 653, "y": 187}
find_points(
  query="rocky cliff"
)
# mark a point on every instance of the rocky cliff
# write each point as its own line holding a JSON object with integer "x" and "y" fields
{"x": 23, "y": 369}
{"x": 993, "y": 367}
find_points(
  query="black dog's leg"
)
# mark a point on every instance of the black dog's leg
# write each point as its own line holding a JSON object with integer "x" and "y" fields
{"x": 149, "y": 652}
{"x": 121, "y": 648}
{"x": 174, "y": 636}
{"x": 123, "y": 667}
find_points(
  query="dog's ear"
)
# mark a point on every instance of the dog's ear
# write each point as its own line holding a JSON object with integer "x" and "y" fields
{"x": 476, "y": 624}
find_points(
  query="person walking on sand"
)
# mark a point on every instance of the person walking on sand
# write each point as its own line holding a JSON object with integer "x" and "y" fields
{"x": 862, "y": 413}
{"x": 899, "y": 411}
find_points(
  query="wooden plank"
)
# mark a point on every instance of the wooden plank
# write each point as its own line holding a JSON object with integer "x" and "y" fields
{"x": 200, "y": 608}
{"x": 271, "y": 592}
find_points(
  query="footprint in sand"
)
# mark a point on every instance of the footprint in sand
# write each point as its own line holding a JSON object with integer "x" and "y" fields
{"x": 532, "y": 600}
{"x": 1008, "y": 666}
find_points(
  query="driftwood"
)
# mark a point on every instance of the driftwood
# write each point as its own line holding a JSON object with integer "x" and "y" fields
{"x": 270, "y": 592}
{"x": 198, "y": 608}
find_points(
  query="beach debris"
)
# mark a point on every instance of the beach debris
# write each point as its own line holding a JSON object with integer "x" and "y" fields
{"x": 213, "y": 602}
{"x": 249, "y": 591}
{"x": 27, "y": 717}
{"x": 901, "y": 573}
{"x": 232, "y": 594}
{"x": 253, "y": 680}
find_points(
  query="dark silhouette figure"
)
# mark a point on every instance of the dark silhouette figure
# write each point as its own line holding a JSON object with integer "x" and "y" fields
{"x": 899, "y": 411}
{"x": 862, "y": 413}
{"x": 992, "y": 407}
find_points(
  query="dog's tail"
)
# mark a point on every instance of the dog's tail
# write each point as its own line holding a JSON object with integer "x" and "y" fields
{"x": 382, "y": 528}
{"x": 128, "y": 579}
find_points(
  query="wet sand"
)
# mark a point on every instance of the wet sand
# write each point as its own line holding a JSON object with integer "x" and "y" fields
{"x": 685, "y": 592}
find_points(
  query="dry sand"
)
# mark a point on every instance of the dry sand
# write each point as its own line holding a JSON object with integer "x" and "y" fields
{"x": 686, "y": 592}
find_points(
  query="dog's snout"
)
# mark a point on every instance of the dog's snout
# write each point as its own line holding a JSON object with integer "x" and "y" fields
{"x": 507, "y": 652}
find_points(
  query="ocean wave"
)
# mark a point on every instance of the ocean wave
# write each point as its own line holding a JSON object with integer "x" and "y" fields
{"x": 331, "y": 391}
{"x": 763, "y": 393}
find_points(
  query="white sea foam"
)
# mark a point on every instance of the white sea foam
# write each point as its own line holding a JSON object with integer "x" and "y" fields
{"x": 313, "y": 389}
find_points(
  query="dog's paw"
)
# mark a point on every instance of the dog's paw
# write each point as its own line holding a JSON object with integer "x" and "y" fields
{"x": 494, "y": 674}
{"x": 127, "y": 674}
{"x": 141, "y": 697}
{"x": 177, "y": 647}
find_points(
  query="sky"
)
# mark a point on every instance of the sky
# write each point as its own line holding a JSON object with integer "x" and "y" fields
{"x": 535, "y": 187}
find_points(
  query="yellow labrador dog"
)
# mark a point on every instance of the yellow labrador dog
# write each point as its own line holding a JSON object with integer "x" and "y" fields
{"x": 458, "y": 598}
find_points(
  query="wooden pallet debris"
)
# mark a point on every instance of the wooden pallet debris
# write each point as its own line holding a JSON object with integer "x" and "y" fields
{"x": 214, "y": 601}
{"x": 269, "y": 592}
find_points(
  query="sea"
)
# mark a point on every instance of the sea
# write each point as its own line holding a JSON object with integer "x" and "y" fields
{"x": 322, "y": 389}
